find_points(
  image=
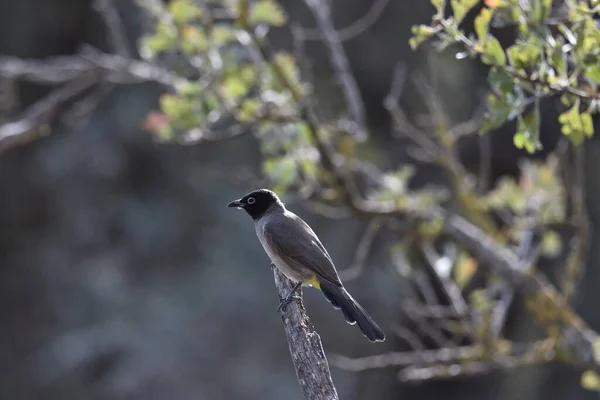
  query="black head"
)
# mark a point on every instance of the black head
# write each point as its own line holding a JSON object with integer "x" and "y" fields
{"x": 256, "y": 203}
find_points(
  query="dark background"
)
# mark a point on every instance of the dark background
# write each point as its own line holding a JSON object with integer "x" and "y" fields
{"x": 123, "y": 275}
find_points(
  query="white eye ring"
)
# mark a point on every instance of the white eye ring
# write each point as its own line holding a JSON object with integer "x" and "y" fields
{"x": 251, "y": 200}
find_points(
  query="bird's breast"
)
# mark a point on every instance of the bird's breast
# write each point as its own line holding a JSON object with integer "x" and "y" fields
{"x": 279, "y": 262}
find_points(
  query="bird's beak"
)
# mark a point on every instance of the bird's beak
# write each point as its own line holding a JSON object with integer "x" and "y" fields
{"x": 236, "y": 204}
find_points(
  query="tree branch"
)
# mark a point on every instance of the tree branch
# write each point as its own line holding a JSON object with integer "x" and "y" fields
{"x": 340, "y": 64}
{"x": 305, "y": 346}
{"x": 61, "y": 69}
{"x": 576, "y": 340}
{"x": 354, "y": 29}
{"x": 35, "y": 121}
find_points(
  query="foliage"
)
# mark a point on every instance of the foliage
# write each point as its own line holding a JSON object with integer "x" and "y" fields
{"x": 229, "y": 81}
{"x": 556, "y": 53}
{"x": 223, "y": 87}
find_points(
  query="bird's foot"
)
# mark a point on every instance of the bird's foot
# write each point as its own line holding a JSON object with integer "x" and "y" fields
{"x": 290, "y": 297}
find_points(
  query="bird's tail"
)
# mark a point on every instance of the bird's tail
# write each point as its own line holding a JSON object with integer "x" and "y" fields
{"x": 353, "y": 312}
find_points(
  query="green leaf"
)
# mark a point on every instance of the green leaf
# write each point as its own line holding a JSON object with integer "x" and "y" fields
{"x": 249, "y": 110}
{"x": 439, "y": 5}
{"x": 309, "y": 168}
{"x": 568, "y": 99}
{"x": 596, "y": 345}
{"x": 287, "y": 64}
{"x": 194, "y": 40}
{"x": 167, "y": 133}
{"x": 282, "y": 170}
{"x": 164, "y": 39}
{"x": 590, "y": 380}
{"x": 559, "y": 62}
{"x": 421, "y": 33}
{"x": 249, "y": 73}
{"x": 501, "y": 81}
{"x": 221, "y": 35}
{"x": 461, "y": 8}
{"x": 267, "y": 12}
{"x": 526, "y": 55}
{"x": 497, "y": 113}
{"x": 482, "y": 23}
{"x": 493, "y": 54}
{"x": 184, "y": 11}
{"x": 155, "y": 45}
{"x": 528, "y": 131}
{"x": 519, "y": 140}
{"x": 212, "y": 102}
{"x": 587, "y": 124}
{"x": 572, "y": 124}
{"x": 541, "y": 10}
{"x": 551, "y": 244}
{"x": 593, "y": 72}
{"x": 234, "y": 86}
{"x": 170, "y": 105}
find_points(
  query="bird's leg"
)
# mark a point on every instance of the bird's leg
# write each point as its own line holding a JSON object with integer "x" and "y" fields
{"x": 291, "y": 296}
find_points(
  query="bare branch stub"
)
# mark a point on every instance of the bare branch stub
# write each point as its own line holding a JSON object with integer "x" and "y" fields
{"x": 305, "y": 346}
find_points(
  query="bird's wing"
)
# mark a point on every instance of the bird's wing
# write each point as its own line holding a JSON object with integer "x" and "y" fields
{"x": 299, "y": 247}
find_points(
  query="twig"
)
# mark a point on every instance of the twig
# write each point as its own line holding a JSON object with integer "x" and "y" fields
{"x": 525, "y": 252}
{"x": 578, "y": 340}
{"x": 555, "y": 88}
{"x": 407, "y": 358}
{"x": 119, "y": 44}
{"x": 362, "y": 251}
{"x": 427, "y": 148}
{"x": 428, "y": 328}
{"x": 355, "y": 28}
{"x": 340, "y": 64}
{"x": 470, "y": 368}
{"x": 35, "y": 121}
{"x": 114, "y": 26}
{"x": 518, "y": 353}
{"x": 305, "y": 346}
{"x": 451, "y": 290}
{"x": 425, "y": 288}
{"x": 580, "y": 242}
{"x": 9, "y": 98}
{"x": 410, "y": 338}
{"x": 61, "y": 69}
{"x": 485, "y": 162}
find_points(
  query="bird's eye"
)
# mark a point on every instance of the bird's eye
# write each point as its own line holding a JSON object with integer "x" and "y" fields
{"x": 250, "y": 200}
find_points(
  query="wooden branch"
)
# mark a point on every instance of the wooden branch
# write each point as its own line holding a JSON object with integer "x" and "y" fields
{"x": 305, "y": 346}
{"x": 446, "y": 356}
{"x": 60, "y": 69}
{"x": 36, "y": 120}
{"x": 576, "y": 339}
{"x": 340, "y": 64}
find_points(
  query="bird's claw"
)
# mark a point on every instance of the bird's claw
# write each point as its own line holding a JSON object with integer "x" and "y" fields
{"x": 284, "y": 303}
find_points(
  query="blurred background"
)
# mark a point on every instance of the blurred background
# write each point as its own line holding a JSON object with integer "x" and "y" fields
{"x": 124, "y": 276}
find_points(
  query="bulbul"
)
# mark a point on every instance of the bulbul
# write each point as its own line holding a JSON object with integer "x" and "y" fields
{"x": 296, "y": 251}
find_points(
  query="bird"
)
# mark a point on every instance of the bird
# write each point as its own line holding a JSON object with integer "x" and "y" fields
{"x": 295, "y": 249}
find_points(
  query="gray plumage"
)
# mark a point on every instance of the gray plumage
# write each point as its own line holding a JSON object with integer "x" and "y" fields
{"x": 294, "y": 247}
{"x": 296, "y": 251}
